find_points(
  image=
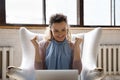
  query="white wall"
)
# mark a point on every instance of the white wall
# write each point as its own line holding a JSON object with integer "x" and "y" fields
{"x": 10, "y": 37}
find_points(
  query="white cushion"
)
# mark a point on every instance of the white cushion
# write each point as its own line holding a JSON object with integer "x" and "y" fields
{"x": 28, "y": 51}
{"x": 89, "y": 55}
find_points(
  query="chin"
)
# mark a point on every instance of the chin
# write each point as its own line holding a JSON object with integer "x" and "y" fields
{"x": 60, "y": 40}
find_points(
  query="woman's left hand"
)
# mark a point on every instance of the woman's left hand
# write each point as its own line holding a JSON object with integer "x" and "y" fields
{"x": 78, "y": 41}
{"x": 77, "y": 50}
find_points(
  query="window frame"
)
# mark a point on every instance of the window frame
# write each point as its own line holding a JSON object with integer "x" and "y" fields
{"x": 2, "y": 12}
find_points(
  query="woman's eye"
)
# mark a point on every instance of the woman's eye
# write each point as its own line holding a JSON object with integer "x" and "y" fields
{"x": 63, "y": 30}
{"x": 56, "y": 31}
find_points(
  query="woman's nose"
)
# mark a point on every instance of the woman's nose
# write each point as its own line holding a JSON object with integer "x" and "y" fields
{"x": 60, "y": 32}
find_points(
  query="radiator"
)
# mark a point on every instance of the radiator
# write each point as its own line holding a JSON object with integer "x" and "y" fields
{"x": 109, "y": 58}
{"x": 6, "y": 59}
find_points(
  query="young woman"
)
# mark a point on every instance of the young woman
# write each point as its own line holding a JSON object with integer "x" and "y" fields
{"x": 57, "y": 51}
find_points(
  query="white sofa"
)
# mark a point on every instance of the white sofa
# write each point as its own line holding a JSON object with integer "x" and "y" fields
{"x": 26, "y": 70}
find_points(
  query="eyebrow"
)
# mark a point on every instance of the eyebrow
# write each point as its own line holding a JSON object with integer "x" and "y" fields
{"x": 61, "y": 29}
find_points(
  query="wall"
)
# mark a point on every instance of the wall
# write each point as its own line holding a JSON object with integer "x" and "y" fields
{"x": 10, "y": 37}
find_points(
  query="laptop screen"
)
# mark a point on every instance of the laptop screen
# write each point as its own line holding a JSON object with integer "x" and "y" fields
{"x": 56, "y": 74}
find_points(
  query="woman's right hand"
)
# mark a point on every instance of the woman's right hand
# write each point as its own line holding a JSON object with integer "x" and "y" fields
{"x": 35, "y": 42}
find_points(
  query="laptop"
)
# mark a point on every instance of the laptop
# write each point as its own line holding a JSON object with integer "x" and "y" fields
{"x": 56, "y": 74}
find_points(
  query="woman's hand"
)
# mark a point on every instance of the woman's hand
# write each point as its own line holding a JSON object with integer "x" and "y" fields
{"x": 77, "y": 50}
{"x": 34, "y": 42}
{"x": 78, "y": 41}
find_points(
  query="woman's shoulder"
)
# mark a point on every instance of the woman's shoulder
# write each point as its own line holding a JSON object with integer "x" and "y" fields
{"x": 43, "y": 43}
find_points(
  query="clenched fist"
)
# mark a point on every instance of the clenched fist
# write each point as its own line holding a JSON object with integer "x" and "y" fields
{"x": 78, "y": 41}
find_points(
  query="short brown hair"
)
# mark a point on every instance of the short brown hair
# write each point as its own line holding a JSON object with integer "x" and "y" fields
{"x": 57, "y": 18}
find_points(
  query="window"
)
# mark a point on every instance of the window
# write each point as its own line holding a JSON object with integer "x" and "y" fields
{"x": 117, "y": 12}
{"x": 67, "y": 7}
{"x": 79, "y": 12}
{"x": 24, "y": 11}
{"x": 102, "y": 12}
{"x": 97, "y": 12}
{"x": 31, "y": 12}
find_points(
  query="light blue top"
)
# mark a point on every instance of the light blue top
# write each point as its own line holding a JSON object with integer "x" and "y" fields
{"x": 58, "y": 55}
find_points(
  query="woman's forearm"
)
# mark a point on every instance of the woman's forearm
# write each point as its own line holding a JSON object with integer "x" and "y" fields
{"x": 76, "y": 53}
{"x": 77, "y": 64}
{"x": 37, "y": 53}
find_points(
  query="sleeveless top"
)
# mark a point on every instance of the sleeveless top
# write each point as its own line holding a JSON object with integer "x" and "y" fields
{"x": 58, "y": 55}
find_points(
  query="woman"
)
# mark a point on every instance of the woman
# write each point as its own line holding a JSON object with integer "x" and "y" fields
{"x": 57, "y": 51}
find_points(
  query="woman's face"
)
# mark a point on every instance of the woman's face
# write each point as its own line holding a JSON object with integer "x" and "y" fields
{"x": 59, "y": 31}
